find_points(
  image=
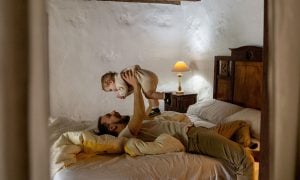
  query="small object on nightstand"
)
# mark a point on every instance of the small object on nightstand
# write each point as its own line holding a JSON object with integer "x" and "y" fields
{"x": 180, "y": 102}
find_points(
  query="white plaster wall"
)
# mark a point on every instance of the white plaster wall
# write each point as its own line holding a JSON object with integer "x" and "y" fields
{"x": 89, "y": 38}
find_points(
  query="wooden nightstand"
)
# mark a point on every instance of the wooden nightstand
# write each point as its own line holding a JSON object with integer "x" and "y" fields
{"x": 180, "y": 102}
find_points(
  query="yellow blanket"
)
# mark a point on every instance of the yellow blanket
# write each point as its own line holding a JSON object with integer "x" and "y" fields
{"x": 69, "y": 145}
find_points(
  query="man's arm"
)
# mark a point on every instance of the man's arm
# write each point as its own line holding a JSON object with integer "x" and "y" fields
{"x": 139, "y": 114}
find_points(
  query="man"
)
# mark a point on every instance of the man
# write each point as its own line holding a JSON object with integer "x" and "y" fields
{"x": 195, "y": 139}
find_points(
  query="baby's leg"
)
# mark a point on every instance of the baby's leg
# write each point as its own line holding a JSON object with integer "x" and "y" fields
{"x": 149, "y": 81}
{"x": 153, "y": 103}
{"x": 154, "y": 95}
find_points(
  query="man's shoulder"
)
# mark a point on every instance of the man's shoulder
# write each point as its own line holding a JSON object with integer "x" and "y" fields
{"x": 125, "y": 133}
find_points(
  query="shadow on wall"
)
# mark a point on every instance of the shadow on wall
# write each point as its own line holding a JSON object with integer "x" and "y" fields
{"x": 197, "y": 82}
{"x": 193, "y": 66}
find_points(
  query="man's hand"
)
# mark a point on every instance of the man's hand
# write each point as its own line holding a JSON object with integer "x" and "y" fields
{"x": 139, "y": 114}
{"x": 130, "y": 78}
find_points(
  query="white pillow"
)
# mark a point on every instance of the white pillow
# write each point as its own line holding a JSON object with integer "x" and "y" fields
{"x": 252, "y": 116}
{"x": 213, "y": 110}
{"x": 200, "y": 122}
{"x": 195, "y": 108}
{"x": 59, "y": 125}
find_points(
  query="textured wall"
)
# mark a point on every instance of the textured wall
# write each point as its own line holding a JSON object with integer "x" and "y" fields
{"x": 89, "y": 38}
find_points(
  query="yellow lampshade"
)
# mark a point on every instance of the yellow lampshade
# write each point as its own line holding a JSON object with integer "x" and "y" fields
{"x": 180, "y": 66}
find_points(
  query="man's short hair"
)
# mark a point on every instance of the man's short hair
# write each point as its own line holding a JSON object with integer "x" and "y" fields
{"x": 103, "y": 129}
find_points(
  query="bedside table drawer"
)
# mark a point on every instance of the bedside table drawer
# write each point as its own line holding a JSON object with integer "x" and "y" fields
{"x": 185, "y": 102}
{"x": 180, "y": 102}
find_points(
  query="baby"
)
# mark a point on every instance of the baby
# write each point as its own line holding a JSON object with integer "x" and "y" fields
{"x": 148, "y": 80}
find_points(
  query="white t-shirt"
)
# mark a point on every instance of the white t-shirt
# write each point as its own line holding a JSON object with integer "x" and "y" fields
{"x": 151, "y": 129}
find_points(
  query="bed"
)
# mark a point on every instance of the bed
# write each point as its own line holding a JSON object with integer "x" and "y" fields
{"x": 237, "y": 96}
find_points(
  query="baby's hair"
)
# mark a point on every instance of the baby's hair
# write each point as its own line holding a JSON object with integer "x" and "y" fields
{"x": 109, "y": 76}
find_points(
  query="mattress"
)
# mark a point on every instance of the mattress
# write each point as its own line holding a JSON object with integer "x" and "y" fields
{"x": 181, "y": 166}
{"x": 177, "y": 165}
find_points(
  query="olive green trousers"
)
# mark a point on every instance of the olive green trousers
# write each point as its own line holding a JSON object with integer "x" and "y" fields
{"x": 215, "y": 142}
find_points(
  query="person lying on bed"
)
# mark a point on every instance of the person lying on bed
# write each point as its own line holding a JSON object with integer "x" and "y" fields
{"x": 195, "y": 139}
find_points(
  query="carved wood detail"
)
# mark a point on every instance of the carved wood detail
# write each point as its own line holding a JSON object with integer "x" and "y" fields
{"x": 238, "y": 78}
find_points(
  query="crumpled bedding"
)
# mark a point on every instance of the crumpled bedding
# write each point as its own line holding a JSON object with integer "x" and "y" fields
{"x": 176, "y": 165}
{"x": 72, "y": 157}
{"x": 71, "y": 147}
{"x": 65, "y": 148}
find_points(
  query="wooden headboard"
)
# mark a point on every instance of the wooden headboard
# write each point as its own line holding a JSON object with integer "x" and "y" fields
{"x": 238, "y": 78}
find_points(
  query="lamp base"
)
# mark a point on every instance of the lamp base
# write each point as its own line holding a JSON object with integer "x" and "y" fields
{"x": 179, "y": 92}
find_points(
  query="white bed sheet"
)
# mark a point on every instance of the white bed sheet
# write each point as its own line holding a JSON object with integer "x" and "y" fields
{"x": 179, "y": 166}
{"x": 197, "y": 121}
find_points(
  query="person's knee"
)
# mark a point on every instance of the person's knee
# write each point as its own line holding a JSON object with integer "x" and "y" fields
{"x": 148, "y": 95}
{"x": 242, "y": 123}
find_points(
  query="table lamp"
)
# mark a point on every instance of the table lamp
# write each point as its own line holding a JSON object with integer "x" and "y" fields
{"x": 180, "y": 67}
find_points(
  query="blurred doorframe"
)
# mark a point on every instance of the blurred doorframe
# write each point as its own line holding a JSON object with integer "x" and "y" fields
{"x": 264, "y": 169}
{"x": 39, "y": 90}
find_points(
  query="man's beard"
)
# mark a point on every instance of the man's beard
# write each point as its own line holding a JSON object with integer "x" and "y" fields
{"x": 124, "y": 119}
